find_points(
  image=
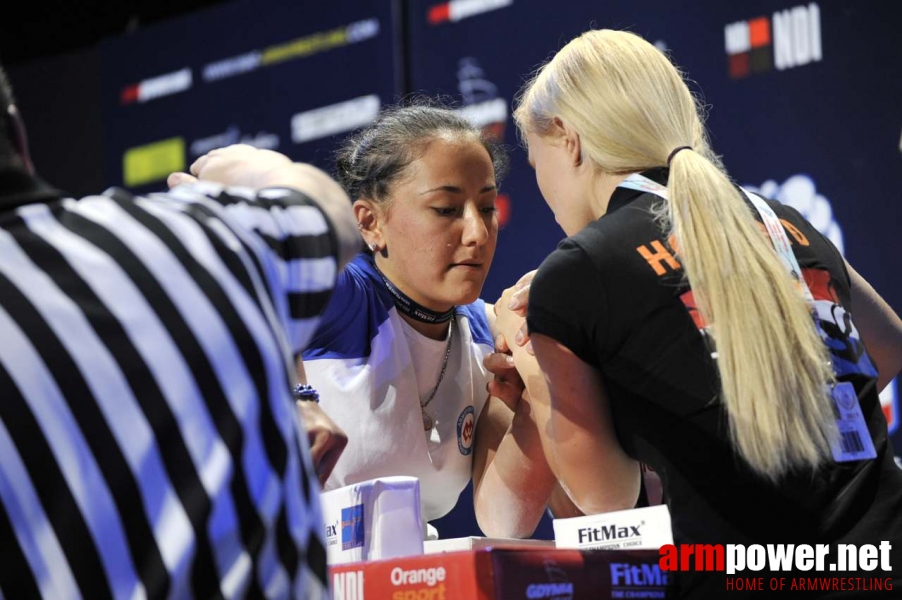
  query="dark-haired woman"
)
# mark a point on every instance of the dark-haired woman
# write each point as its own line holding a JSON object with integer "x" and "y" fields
{"x": 398, "y": 359}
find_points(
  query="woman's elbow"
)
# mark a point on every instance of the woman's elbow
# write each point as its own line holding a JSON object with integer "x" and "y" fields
{"x": 609, "y": 497}
{"x": 507, "y": 519}
{"x": 513, "y": 530}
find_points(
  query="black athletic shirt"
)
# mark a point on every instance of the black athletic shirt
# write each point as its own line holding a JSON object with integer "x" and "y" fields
{"x": 616, "y": 296}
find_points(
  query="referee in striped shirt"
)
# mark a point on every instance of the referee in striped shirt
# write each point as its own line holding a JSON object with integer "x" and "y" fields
{"x": 149, "y": 447}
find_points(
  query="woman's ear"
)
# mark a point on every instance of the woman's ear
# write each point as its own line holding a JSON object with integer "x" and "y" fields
{"x": 571, "y": 141}
{"x": 574, "y": 146}
{"x": 369, "y": 223}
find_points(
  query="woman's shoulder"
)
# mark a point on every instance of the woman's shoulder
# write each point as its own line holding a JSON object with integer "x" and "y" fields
{"x": 361, "y": 267}
{"x": 574, "y": 274}
{"x": 634, "y": 221}
{"x": 354, "y": 312}
{"x": 575, "y": 253}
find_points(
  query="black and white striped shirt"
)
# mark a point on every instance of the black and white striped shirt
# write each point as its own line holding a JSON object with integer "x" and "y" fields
{"x": 149, "y": 447}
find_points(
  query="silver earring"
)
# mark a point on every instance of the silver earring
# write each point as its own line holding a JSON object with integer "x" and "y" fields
{"x": 372, "y": 246}
{"x": 359, "y": 226}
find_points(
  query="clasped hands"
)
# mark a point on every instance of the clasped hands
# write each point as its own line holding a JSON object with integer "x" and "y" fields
{"x": 510, "y": 324}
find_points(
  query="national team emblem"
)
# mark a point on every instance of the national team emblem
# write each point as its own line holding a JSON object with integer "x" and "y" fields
{"x": 466, "y": 425}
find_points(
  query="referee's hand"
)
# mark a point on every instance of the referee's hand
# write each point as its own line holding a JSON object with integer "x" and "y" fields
{"x": 243, "y": 165}
{"x": 327, "y": 440}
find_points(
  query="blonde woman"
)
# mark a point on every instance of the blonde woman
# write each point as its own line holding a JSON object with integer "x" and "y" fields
{"x": 694, "y": 327}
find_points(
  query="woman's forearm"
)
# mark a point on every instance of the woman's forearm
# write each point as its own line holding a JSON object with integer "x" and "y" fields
{"x": 513, "y": 484}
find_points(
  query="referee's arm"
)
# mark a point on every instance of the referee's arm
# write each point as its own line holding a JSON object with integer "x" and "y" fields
{"x": 328, "y": 195}
{"x": 245, "y": 166}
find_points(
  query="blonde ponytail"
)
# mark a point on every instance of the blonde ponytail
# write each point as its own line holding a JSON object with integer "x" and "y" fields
{"x": 632, "y": 108}
{"x": 773, "y": 365}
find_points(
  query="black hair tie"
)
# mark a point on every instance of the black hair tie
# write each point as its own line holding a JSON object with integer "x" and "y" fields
{"x": 675, "y": 150}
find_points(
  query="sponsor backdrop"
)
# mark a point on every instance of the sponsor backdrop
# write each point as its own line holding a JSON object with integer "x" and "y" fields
{"x": 803, "y": 102}
{"x": 282, "y": 76}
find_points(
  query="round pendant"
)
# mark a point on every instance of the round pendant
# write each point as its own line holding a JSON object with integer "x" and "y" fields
{"x": 427, "y": 422}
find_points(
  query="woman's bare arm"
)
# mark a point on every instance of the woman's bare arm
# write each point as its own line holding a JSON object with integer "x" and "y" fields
{"x": 512, "y": 481}
{"x": 880, "y": 328}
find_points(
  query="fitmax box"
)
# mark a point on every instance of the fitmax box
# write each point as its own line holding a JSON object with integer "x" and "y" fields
{"x": 635, "y": 529}
{"x": 374, "y": 519}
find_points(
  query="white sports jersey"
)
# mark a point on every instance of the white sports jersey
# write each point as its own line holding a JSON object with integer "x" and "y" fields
{"x": 360, "y": 362}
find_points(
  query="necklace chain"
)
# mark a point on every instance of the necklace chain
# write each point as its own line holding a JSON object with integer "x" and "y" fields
{"x": 427, "y": 420}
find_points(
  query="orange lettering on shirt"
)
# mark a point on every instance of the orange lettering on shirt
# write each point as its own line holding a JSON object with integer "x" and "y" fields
{"x": 657, "y": 257}
{"x": 795, "y": 233}
{"x": 797, "y": 236}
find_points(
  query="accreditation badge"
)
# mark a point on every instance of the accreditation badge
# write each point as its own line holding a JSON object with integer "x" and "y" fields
{"x": 854, "y": 441}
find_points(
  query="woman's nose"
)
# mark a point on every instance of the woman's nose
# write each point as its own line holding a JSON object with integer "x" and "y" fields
{"x": 475, "y": 233}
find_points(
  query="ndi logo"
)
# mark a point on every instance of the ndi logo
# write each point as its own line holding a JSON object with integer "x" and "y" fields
{"x": 348, "y": 585}
{"x": 791, "y": 38}
{"x": 352, "y": 527}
